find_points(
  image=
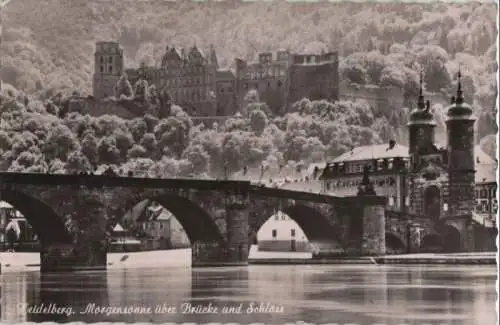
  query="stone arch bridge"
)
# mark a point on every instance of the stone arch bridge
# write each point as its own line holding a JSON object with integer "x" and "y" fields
{"x": 71, "y": 215}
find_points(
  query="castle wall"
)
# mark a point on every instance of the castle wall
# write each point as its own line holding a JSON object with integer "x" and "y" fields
{"x": 226, "y": 98}
{"x": 382, "y": 98}
{"x": 313, "y": 81}
{"x": 96, "y": 107}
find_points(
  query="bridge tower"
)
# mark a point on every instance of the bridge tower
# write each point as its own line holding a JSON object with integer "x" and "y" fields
{"x": 421, "y": 125}
{"x": 461, "y": 165}
{"x": 108, "y": 68}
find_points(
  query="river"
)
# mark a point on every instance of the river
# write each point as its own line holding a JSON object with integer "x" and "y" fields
{"x": 310, "y": 293}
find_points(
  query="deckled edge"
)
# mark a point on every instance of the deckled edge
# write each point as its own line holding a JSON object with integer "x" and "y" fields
{"x": 497, "y": 106}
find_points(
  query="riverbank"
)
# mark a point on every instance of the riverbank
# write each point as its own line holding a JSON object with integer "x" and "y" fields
{"x": 480, "y": 258}
{"x": 182, "y": 258}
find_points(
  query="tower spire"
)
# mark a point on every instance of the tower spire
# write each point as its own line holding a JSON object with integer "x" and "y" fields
{"x": 460, "y": 94}
{"x": 421, "y": 102}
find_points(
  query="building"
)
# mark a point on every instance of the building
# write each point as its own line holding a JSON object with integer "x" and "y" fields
{"x": 226, "y": 93}
{"x": 158, "y": 226}
{"x": 108, "y": 68}
{"x": 268, "y": 76}
{"x": 187, "y": 76}
{"x": 313, "y": 76}
{"x": 455, "y": 183}
{"x": 27, "y": 235}
{"x": 193, "y": 80}
{"x": 283, "y": 78}
{"x": 282, "y": 234}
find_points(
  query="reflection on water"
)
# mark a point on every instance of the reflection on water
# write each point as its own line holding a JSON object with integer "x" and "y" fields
{"x": 318, "y": 294}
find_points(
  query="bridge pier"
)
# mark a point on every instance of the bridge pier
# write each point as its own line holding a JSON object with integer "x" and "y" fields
{"x": 234, "y": 250}
{"x": 373, "y": 237}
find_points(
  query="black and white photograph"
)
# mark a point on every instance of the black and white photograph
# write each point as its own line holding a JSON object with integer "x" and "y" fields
{"x": 249, "y": 162}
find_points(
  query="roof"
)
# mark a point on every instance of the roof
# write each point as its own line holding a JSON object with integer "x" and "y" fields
{"x": 378, "y": 151}
{"x": 482, "y": 156}
{"x": 225, "y": 74}
{"x": 486, "y": 173}
{"x": 5, "y": 205}
{"x": 118, "y": 228}
{"x": 381, "y": 151}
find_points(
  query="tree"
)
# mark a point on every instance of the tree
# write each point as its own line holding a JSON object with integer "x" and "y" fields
{"x": 198, "y": 158}
{"x": 138, "y": 128}
{"x": 89, "y": 148}
{"x": 137, "y": 151}
{"x": 258, "y": 121}
{"x": 107, "y": 151}
{"x": 123, "y": 88}
{"x": 60, "y": 142}
{"x": 123, "y": 141}
{"x": 141, "y": 88}
{"x": 77, "y": 163}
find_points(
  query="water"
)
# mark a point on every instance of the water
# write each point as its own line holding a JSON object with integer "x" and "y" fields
{"x": 317, "y": 294}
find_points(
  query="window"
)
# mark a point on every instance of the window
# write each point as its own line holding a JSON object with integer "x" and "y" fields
{"x": 101, "y": 60}
{"x": 110, "y": 59}
{"x": 279, "y": 83}
{"x": 102, "y": 68}
{"x": 283, "y": 217}
{"x": 276, "y": 216}
{"x": 292, "y": 232}
{"x": 110, "y": 68}
{"x": 274, "y": 233}
{"x": 391, "y": 201}
{"x": 407, "y": 201}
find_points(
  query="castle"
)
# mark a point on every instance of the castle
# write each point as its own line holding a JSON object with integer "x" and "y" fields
{"x": 194, "y": 81}
{"x": 453, "y": 186}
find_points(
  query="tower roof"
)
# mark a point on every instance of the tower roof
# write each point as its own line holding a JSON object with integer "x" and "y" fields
{"x": 421, "y": 115}
{"x": 459, "y": 109}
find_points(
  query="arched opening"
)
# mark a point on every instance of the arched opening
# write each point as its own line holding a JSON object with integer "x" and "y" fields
{"x": 166, "y": 222}
{"x": 451, "y": 239}
{"x": 325, "y": 240}
{"x": 280, "y": 233}
{"x": 394, "y": 244}
{"x": 299, "y": 229}
{"x": 37, "y": 221}
{"x": 432, "y": 202}
{"x": 431, "y": 243}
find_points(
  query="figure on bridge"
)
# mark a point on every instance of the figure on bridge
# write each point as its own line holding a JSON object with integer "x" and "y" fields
{"x": 12, "y": 232}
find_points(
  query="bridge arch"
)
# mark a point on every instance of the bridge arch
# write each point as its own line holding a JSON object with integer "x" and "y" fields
{"x": 451, "y": 238}
{"x": 394, "y": 244}
{"x": 431, "y": 243}
{"x": 48, "y": 226}
{"x": 198, "y": 224}
{"x": 317, "y": 230}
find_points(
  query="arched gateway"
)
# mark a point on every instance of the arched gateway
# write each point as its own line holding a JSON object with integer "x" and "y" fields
{"x": 219, "y": 217}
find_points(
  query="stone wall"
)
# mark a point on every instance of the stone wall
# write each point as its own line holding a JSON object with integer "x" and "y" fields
{"x": 314, "y": 81}
{"x": 373, "y": 241}
{"x": 382, "y": 98}
{"x": 99, "y": 107}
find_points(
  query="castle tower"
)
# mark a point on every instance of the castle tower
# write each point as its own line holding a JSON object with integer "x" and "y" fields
{"x": 461, "y": 163}
{"x": 108, "y": 68}
{"x": 421, "y": 125}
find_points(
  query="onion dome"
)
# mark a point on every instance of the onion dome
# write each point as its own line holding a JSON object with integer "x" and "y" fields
{"x": 459, "y": 109}
{"x": 422, "y": 113}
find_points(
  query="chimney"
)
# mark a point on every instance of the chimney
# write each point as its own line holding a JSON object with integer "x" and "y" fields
{"x": 392, "y": 144}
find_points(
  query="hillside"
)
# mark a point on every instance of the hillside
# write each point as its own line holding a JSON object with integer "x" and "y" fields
{"x": 48, "y": 47}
